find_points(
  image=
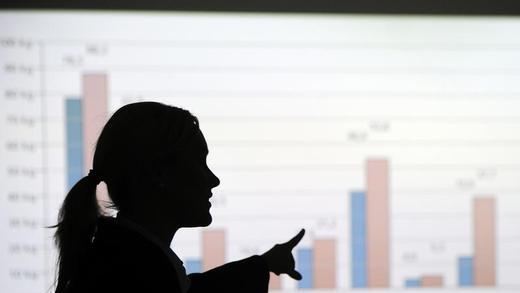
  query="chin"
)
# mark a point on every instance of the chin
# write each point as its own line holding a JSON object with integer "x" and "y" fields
{"x": 202, "y": 221}
{"x": 206, "y": 222}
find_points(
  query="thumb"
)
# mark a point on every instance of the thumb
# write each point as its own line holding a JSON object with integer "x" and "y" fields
{"x": 295, "y": 275}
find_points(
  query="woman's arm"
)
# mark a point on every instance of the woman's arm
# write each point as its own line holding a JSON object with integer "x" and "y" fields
{"x": 247, "y": 275}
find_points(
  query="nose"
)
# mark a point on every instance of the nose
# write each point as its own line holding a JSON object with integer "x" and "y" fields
{"x": 214, "y": 181}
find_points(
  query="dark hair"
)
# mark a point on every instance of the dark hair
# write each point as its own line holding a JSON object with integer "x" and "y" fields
{"x": 132, "y": 145}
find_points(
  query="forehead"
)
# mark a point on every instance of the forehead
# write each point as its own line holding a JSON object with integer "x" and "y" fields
{"x": 197, "y": 142}
{"x": 194, "y": 144}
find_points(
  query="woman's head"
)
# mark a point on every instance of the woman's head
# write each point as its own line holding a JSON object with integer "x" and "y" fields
{"x": 152, "y": 158}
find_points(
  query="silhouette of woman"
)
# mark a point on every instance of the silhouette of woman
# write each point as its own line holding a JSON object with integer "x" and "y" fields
{"x": 152, "y": 158}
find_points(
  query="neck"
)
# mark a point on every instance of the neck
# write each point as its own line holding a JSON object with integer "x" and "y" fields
{"x": 153, "y": 225}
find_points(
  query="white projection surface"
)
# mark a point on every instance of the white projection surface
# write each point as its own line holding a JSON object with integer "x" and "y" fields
{"x": 394, "y": 140}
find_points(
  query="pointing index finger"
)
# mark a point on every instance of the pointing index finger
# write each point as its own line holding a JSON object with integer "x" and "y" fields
{"x": 296, "y": 239}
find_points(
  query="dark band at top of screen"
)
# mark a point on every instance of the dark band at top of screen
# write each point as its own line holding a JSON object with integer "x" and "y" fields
{"x": 432, "y": 7}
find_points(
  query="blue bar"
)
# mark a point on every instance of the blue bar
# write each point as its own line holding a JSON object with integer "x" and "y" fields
{"x": 358, "y": 239}
{"x": 465, "y": 267}
{"x": 305, "y": 268}
{"x": 193, "y": 266}
{"x": 74, "y": 138}
{"x": 412, "y": 283}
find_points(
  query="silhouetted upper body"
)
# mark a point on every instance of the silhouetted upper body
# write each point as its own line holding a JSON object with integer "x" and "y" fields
{"x": 152, "y": 158}
{"x": 126, "y": 258}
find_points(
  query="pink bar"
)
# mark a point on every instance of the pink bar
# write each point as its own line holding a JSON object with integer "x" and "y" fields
{"x": 275, "y": 282}
{"x": 324, "y": 263}
{"x": 484, "y": 241}
{"x": 213, "y": 249}
{"x": 432, "y": 281}
{"x": 378, "y": 231}
{"x": 95, "y": 99}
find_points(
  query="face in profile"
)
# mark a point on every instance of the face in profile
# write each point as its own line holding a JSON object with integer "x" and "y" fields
{"x": 188, "y": 183}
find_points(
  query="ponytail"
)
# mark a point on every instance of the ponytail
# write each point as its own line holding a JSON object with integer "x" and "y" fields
{"x": 75, "y": 229}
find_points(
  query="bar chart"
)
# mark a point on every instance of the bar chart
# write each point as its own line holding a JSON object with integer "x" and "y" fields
{"x": 478, "y": 270}
{"x": 393, "y": 141}
{"x": 369, "y": 216}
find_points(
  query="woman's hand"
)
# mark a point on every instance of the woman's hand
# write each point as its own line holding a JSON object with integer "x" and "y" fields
{"x": 280, "y": 260}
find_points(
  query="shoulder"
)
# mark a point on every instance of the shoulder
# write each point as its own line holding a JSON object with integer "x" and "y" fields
{"x": 122, "y": 260}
